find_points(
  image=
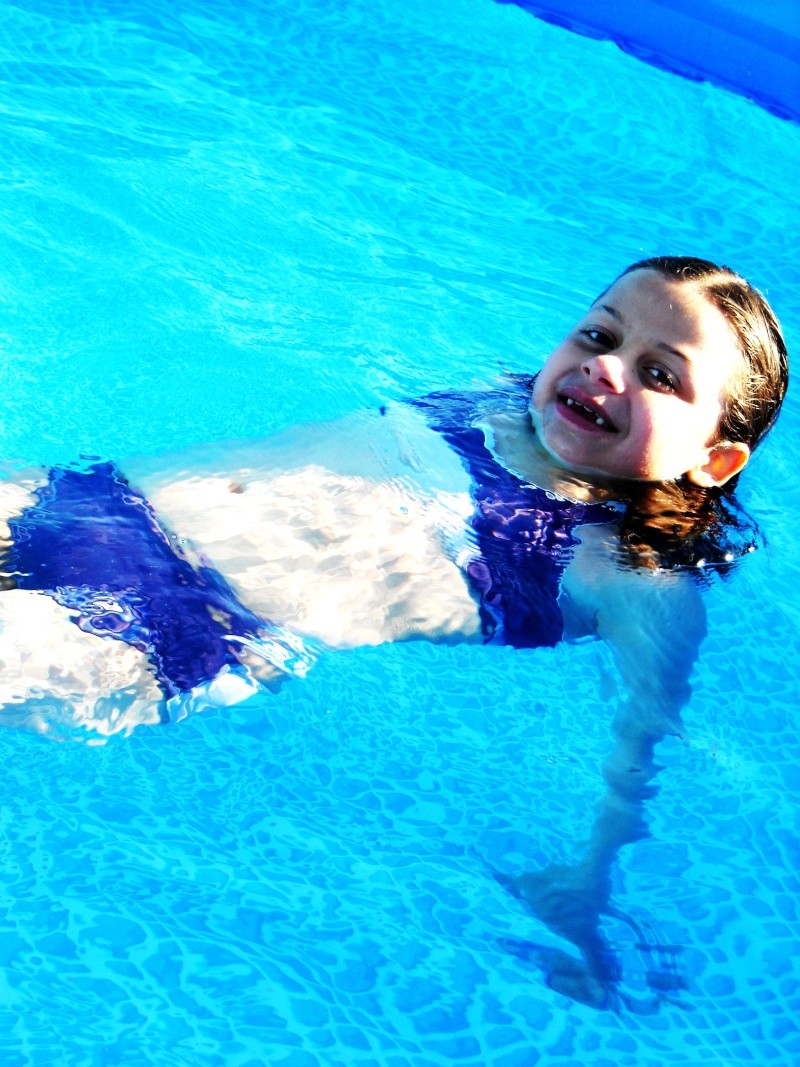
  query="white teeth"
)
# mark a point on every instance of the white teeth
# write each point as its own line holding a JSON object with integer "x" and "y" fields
{"x": 599, "y": 420}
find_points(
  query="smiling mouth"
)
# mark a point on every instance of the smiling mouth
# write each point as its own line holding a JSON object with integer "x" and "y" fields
{"x": 584, "y": 414}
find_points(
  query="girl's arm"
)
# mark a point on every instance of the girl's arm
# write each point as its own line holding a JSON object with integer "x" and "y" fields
{"x": 654, "y": 624}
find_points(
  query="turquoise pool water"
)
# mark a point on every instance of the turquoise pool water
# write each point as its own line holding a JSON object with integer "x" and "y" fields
{"x": 220, "y": 220}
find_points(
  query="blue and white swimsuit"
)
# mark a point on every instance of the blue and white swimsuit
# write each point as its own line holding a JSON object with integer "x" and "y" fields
{"x": 93, "y": 543}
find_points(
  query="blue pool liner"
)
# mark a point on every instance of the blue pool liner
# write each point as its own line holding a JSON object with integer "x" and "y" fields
{"x": 751, "y": 49}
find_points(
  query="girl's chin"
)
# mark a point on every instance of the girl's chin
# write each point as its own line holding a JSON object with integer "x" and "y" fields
{"x": 576, "y": 453}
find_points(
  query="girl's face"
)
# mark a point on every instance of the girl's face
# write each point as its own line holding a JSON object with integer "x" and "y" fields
{"x": 636, "y": 390}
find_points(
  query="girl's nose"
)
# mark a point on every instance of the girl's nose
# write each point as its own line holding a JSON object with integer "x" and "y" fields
{"x": 605, "y": 369}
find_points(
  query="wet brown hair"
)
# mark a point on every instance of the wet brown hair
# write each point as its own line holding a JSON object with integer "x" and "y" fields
{"x": 755, "y": 396}
{"x": 678, "y": 525}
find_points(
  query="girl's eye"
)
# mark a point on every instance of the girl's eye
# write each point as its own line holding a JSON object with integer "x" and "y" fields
{"x": 661, "y": 378}
{"x": 598, "y": 337}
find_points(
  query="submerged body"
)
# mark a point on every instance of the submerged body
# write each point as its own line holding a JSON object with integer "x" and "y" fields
{"x": 188, "y": 582}
{"x": 417, "y": 531}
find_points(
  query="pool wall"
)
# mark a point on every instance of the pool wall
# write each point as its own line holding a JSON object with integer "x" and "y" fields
{"x": 751, "y": 49}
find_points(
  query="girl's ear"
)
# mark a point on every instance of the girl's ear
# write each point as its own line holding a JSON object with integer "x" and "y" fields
{"x": 723, "y": 462}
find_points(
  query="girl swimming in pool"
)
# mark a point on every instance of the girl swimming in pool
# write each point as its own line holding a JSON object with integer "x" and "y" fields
{"x": 579, "y": 503}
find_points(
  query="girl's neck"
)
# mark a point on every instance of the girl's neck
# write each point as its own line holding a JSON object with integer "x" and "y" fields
{"x": 512, "y": 440}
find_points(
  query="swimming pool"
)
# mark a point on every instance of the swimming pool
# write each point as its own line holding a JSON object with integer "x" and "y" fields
{"x": 219, "y": 221}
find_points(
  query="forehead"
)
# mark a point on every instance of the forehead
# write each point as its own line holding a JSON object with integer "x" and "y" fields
{"x": 665, "y": 311}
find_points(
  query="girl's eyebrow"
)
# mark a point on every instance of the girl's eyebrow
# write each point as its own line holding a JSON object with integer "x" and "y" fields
{"x": 676, "y": 352}
{"x": 612, "y": 311}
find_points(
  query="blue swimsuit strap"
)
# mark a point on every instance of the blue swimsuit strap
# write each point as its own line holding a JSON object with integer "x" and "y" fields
{"x": 93, "y": 543}
{"x": 524, "y": 534}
